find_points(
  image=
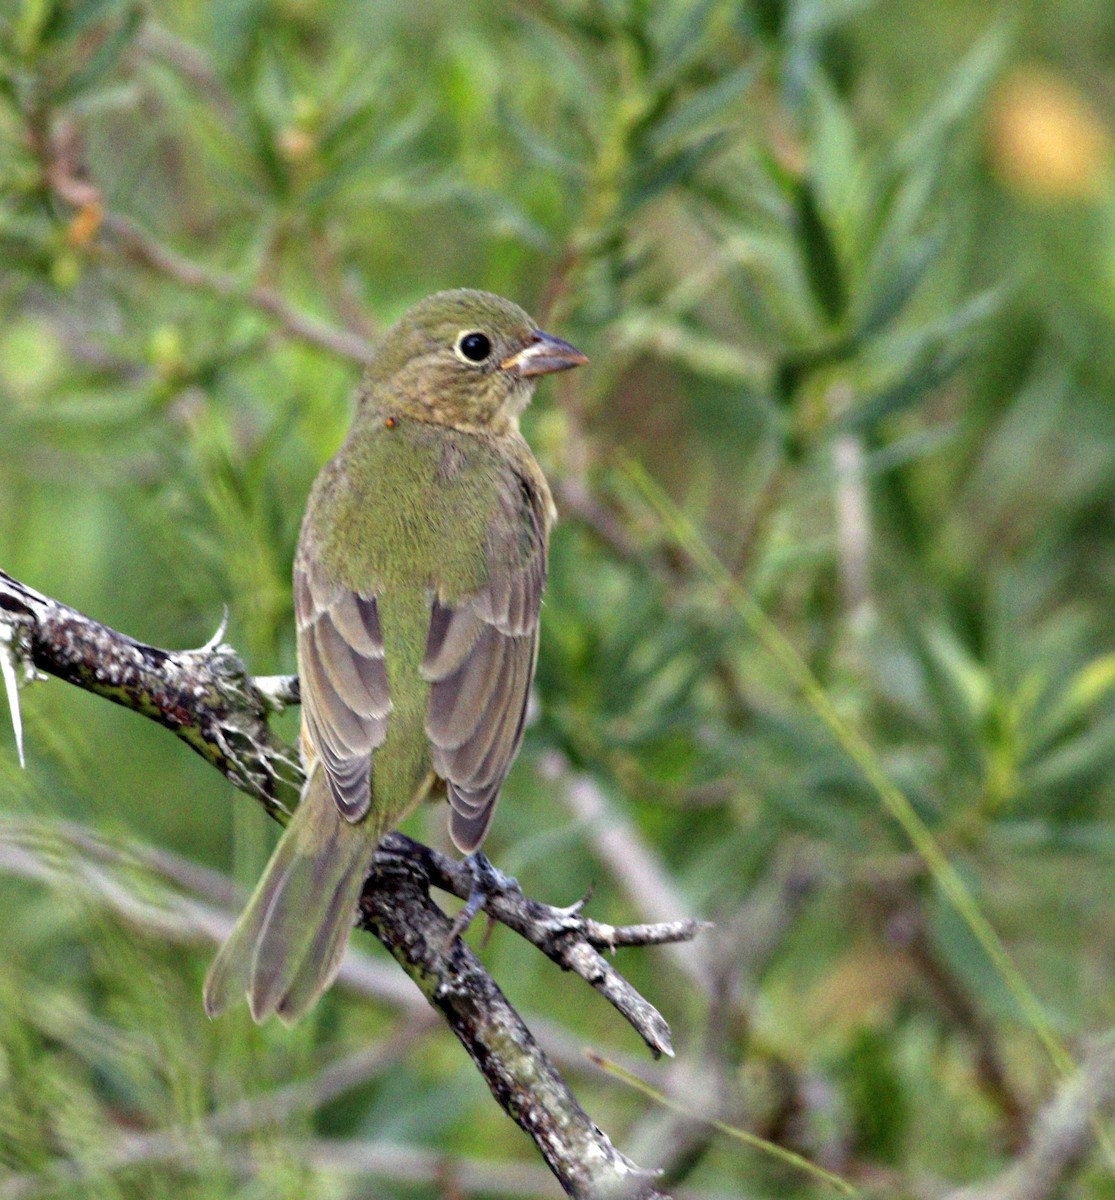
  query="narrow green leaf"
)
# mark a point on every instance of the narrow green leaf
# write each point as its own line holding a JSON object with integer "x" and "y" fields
{"x": 925, "y": 376}
{"x": 836, "y": 160}
{"x": 959, "y": 96}
{"x": 819, "y": 256}
{"x": 804, "y": 681}
{"x": 952, "y": 334}
{"x": 103, "y": 59}
{"x": 706, "y": 104}
{"x": 890, "y": 292}
{"x": 680, "y": 37}
{"x": 672, "y": 169}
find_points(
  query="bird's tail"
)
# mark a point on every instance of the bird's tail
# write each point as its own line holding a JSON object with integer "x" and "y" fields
{"x": 287, "y": 946}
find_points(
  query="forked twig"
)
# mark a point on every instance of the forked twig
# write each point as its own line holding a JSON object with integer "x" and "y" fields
{"x": 207, "y": 698}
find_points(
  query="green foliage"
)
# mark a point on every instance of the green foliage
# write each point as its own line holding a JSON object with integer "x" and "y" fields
{"x": 848, "y": 308}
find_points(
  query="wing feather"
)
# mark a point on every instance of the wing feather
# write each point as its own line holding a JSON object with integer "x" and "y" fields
{"x": 480, "y": 657}
{"x": 347, "y": 701}
{"x": 453, "y": 634}
{"x": 459, "y": 704}
{"x": 479, "y": 660}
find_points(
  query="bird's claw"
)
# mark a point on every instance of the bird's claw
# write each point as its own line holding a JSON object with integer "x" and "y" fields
{"x": 487, "y": 881}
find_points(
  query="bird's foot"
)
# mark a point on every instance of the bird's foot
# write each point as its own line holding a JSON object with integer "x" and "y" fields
{"x": 487, "y": 881}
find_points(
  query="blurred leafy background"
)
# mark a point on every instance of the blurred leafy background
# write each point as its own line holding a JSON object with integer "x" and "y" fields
{"x": 846, "y": 273}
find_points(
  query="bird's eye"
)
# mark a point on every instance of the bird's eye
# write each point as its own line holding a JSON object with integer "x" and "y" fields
{"x": 474, "y": 346}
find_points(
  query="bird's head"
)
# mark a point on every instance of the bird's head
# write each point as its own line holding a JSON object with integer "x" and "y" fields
{"x": 464, "y": 358}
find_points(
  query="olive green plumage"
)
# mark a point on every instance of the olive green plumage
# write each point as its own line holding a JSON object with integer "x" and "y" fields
{"x": 417, "y": 585}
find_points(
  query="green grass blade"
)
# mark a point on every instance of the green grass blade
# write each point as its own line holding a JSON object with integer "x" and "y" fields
{"x": 686, "y": 537}
{"x": 789, "y": 1157}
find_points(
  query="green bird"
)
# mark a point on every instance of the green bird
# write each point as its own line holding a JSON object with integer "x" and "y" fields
{"x": 417, "y": 585}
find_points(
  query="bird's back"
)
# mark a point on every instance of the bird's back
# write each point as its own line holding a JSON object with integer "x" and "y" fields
{"x": 403, "y": 513}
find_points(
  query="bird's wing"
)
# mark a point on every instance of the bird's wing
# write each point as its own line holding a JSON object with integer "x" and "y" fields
{"x": 479, "y": 659}
{"x": 345, "y": 698}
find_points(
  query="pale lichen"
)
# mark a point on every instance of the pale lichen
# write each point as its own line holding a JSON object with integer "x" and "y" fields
{"x": 17, "y": 669}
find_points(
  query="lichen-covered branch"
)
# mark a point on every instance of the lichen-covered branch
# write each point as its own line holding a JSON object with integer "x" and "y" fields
{"x": 521, "y": 1077}
{"x": 203, "y": 696}
{"x": 206, "y": 697}
{"x": 566, "y": 936}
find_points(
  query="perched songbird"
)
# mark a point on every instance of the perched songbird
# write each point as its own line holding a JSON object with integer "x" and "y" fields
{"x": 417, "y": 584}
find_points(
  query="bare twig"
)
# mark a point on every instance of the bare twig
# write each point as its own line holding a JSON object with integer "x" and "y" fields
{"x": 906, "y": 926}
{"x": 853, "y": 527}
{"x": 134, "y": 242}
{"x": 129, "y": 1150}
{"x": 58, "y": 148}
{"x": 567, "y": 937}
{"x": 415, "y": 1165}
{"x": 397, "y": 909}
{"x": 31, "y": 850}
{"x": 710, "y": 1079}
{"x": 665, "y": 1138}
{"x": 575, "y": 499}
{"x": 46, "y": 856}
{"x": 159, "y": 43}
{"x": 852, "y": 504}
{"x": 390, "y": 1161}
{"x": 451, "y": 1176}
{"x": 724, "y": 971}
{"x": 1062, "y": 1136}
{"x": 62, "y": 854}
{"x": 626, "y": 854}
{"x": 207, "y": 698}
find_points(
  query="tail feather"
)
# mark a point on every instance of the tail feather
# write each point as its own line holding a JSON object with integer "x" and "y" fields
{"x": 320, "y": 966}
{"x": 287, "y": 946}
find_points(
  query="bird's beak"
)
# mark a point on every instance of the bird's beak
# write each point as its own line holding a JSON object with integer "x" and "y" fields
{"x": 543, "y": 355}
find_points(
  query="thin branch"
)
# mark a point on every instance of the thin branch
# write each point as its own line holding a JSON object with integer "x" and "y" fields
{"x": 576, "y": 500}
{"x": 567, "y": 937}
{"x": 526, "y": 1085}
{"x": 61, "y": 854}
{"x": 128, "y": 1150}
{"x": 853, "y": 528}
{"x": 133, "y": 242}
{"x": 207, "y": 698}
{"x": 58, "y": 148}
{"x": 710, "y": 1081}
{"x": 450, "y": 1175}
{"x": 389, "y": 1161}
{"x": 852, "y": 512}
{"x": 453, "y": 1176}
{"x": 905, "y": 924}
{"x": 724, "y": 971}
{"x": 1062, "y": 1136}
{"x": 45, "y": 852}
{"x": 634, "y": 865}
{"x": 191, "y": 64}
{"x": 46, "y": 855}
{"x": 960, "y": 1008}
